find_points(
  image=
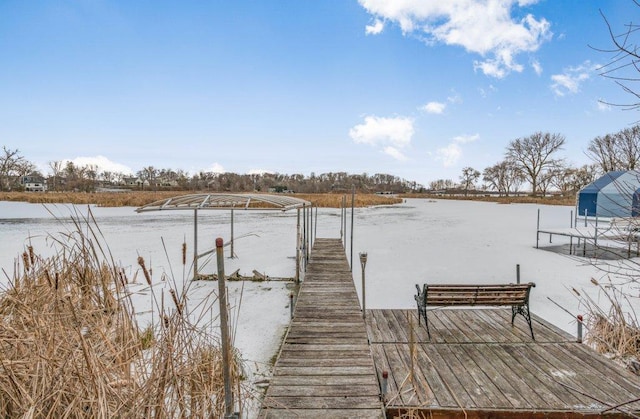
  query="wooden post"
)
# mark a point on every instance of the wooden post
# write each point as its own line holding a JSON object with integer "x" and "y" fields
{"x": 224, "y": 330}
{"x": 518, "y": 273}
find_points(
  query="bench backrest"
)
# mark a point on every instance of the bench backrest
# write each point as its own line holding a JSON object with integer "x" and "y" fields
{"x": 469, "y": 295}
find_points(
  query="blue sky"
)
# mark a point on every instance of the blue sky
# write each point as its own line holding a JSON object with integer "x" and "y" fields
{"x": 418, "y": 89}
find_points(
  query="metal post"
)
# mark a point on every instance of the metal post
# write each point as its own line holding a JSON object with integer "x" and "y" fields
{"x": 231, "y": 251}
{"x": 571, "y": 220}
{"x": 538, "y": 230}
{"x": 585, "y": 217}
{"x": 363, "y": 264}
{"x": 383, "y": 390}
{"x": 224, "y": 330}
{"x": 291, "y": 304}
{"x": 298, "y": 248}
{"x": 195, "y": 244}
{"x": 341, "y": 220}
{"x": 353, "y": 202}
{"x": 579, "y": 339}
{"x": 518, "y": 273}
{"x": 303, "y": 237}
{"x": 311, "y": 226}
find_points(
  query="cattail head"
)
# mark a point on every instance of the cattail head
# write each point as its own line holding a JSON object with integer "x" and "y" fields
{"x": 184, "y": 253}
{"x": 595, "y": 282}
{"x": 147, "y": 276}
{"x": 25, "y": 260}
{"x": 32, "y": 255}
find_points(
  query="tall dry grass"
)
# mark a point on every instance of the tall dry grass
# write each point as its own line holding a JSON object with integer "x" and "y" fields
{"x": 612, "y": 325}
{"x": 70, "y": 344}
{"x": 140, "y": 198}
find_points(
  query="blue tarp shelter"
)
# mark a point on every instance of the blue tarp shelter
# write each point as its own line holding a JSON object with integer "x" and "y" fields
{"x": 616, "y": 194}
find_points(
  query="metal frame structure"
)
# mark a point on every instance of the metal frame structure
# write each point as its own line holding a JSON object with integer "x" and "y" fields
{"x": 232, "y": 202}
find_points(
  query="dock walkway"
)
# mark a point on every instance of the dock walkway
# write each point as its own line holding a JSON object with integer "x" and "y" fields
{"x": 325, "y": 368}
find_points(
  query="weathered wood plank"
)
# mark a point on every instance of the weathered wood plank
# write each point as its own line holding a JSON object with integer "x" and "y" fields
{"x": 322, "y": 402}
{"x": 320, "y": 413}
{"x": 325, "y": 368}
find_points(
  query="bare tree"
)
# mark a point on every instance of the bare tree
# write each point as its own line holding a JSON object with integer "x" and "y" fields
{"x": 624, "y": 64}
{"x": 619, "y": 151}
{"x": 504, "y": 177}
{"x": 10, "y": 165}
{"x": 468, "y": 178}
{"x": 533, "y": 155}
{"x": 148, "y": 175}
{"x": 56, "y": 171}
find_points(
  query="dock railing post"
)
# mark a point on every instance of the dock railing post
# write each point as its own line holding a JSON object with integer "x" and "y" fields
{"x": 291, "y": 308}
{"x": 518, "y": 273}
{"x": 224, "y": 331}
{"x": 579, "y": 318}
{"x": 383, "y": 385}
{"x": 538, "y": 230}
{"x": 353, "y": 202}
{"x": 363, "y": 264}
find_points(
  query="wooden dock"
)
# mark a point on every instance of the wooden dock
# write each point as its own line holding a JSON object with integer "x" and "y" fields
{"x": 325, "y": 368}
{"x": 477, "y": 366}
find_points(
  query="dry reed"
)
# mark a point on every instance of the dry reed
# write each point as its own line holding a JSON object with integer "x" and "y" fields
{"x": 614, "y": 330}
{"x": 140, "y": 198}
{"x": 70, "y": 345}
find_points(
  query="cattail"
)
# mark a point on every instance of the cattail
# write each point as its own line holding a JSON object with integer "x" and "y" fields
{"x": 576, "y": 291}
{"x": 48, "y": 277}
{"x": 184, "y": 253}
{"x": 57, "y": 278}
{"x": 32, "y": 256}
{"x": 25, "y": 260}
{"x": 144, "y": 269}
{"x": 594, "y": 282}
{"x": 174, "y": 297}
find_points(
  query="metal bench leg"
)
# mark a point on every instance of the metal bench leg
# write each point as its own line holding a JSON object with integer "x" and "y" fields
{"x": 524, "y": 310}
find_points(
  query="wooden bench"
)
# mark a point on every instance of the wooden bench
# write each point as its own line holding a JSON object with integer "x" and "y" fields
{"x": 514, "y": 295}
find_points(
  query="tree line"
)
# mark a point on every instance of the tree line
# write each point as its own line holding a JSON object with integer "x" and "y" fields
{"x": 534, "y": 161}
{"x": 67, "y": 176}
{"x": 531, "y": 161}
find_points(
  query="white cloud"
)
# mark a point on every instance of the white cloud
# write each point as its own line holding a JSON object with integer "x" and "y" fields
{"x": 376, "y": 28}
{"x": 449, "y": 155}
{"x": 486, "y": 28}
{"x": 454, "y": 98}
{"x": 452, "y": 153}
{"x": 391, "y": 134}
{"x": 434, "y": 107}
{"x": 102, "y": 163}
{"x": 603, "y": 106}
{"x": 259, "y": 172}
{"x": 215, "y": 168}
{"x": 466, "y": 139}
{"x": 395, "y": 153}
{"x": 537, "y": 67}
{"x": 571, "y": 79}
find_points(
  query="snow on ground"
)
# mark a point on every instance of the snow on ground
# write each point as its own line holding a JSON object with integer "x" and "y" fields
{"x": 417, "y": 241}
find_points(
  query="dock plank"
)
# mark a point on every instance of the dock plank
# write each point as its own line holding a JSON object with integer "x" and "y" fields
{"x": 325, "y": 367}
{"x": 478, "y": 365}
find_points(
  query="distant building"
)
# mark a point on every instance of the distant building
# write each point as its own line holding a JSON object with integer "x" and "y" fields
{"x": 33, "y": 183}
